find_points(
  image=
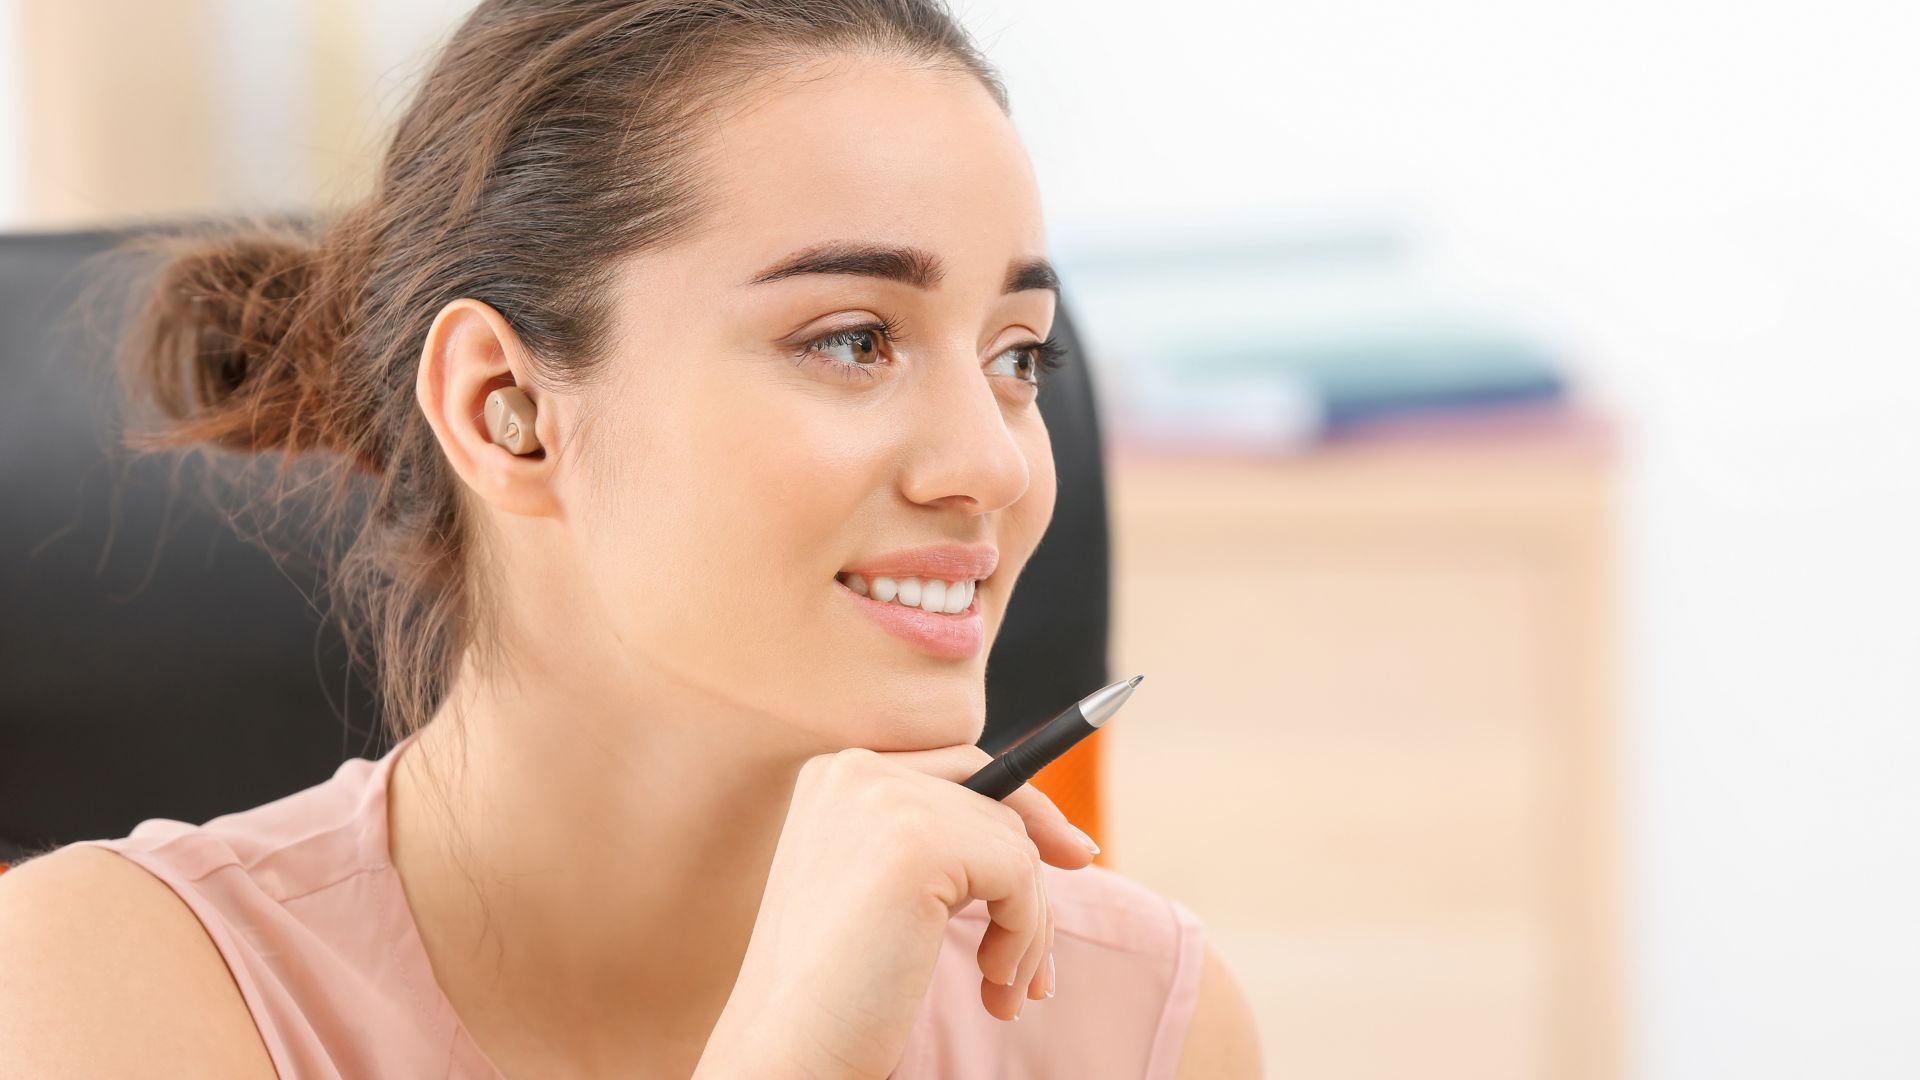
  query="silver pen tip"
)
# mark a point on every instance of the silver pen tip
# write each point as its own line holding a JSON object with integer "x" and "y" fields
{"x": 1098, "y": 706}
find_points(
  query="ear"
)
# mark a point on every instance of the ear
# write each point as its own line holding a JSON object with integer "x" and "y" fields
{"x": 470, "y": 352}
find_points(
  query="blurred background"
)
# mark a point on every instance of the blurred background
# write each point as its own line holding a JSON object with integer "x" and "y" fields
{"x": 1512, "y": 476}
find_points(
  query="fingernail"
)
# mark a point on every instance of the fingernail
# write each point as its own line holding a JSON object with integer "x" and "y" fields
{"x": 1050, "y": 975}
{"x": 1085, "y": 839}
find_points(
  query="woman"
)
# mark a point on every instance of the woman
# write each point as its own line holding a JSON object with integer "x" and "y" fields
{"x": 673, "y": 795}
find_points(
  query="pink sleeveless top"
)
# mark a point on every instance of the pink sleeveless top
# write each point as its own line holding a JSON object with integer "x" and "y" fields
{"x": 304, "y": 904}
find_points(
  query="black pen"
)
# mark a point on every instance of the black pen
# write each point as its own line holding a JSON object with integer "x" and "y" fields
{"x": 1002, "y": 776}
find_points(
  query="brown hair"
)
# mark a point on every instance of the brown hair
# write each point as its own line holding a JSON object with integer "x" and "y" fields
{"x": 549, "y": 140}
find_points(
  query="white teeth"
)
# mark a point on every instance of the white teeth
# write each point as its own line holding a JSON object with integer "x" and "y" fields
{"x": 959, "y": 597}
{"x": 927, "y": 594}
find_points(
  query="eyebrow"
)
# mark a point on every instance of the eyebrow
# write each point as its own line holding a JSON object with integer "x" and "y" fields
{"x": 917, "y": 267}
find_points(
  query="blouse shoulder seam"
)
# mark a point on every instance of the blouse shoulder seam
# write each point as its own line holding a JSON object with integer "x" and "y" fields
{"x": 1169, "y": 1037}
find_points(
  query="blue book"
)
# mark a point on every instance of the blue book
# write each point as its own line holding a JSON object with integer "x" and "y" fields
{"x": 1285, "y": 340}
{"x": 1354, "y": 380}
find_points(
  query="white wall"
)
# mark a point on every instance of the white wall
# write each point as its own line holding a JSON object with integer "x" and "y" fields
{"x": 1716, "y": 208}
{"x": 13, "y": 195}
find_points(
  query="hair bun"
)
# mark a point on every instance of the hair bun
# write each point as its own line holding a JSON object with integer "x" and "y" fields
{"x": 237, "y": 343}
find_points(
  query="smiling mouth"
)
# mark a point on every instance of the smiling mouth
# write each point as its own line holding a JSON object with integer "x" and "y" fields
{"x": 933, "y": 596}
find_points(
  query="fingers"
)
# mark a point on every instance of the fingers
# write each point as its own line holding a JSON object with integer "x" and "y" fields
{"x": 1015, "y": 954}
{"x": 1059, "y": 842}
{"x": 1015, "y": 917}
{"x": 955, "y": 762}
{"x": 1032, "y": 964}
{"x": 1014, "y": 949}
{"x": 1042, "y": 984}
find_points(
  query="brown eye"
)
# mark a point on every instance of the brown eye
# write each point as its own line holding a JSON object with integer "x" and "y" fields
{"x": 860, "y": 345}
{"x": 1030, "y": 359}
{"x": 863, "y": 343}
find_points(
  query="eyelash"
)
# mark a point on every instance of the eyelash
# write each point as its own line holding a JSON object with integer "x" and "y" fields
{"x": 1047, "y": 354}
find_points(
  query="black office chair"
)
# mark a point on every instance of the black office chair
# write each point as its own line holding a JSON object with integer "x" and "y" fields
{"x": 155, "y": 664}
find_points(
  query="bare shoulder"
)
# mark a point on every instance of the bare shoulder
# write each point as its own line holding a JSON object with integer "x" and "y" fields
{"x": 109, "y": 973}
{"x": 1222, "y": 1040}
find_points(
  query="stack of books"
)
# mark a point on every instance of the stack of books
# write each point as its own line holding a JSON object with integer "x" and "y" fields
{"x": 1286, "y": 342}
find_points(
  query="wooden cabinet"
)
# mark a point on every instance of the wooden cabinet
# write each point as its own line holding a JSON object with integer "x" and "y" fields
{"x": 1376, "y": 746}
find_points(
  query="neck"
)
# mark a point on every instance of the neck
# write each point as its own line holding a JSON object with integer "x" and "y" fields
{"x": 587, "y": 889}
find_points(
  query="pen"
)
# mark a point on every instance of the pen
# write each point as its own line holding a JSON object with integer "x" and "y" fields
{"x": 1017, "y": 764}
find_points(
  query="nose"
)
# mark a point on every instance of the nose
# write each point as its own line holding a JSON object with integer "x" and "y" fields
{"x": 964, "y": 452}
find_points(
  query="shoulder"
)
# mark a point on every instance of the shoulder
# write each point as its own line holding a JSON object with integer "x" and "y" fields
{"x": 1222, "y": 1039}
{"x": 110, "y": 973}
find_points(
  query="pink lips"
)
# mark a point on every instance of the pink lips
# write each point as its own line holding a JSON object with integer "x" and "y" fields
{"x": 948, "y": 562}
{"x": 950, "y": 637}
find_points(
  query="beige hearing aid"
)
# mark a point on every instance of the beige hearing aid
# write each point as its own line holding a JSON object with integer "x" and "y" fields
{"x": 510, "y": 420}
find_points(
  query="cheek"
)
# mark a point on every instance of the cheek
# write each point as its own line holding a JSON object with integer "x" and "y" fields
{"x": 748, "y": 488}
{"x": 795, "y": 476}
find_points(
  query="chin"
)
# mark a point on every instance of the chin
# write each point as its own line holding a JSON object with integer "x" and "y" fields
{"x": 936, "y": 720}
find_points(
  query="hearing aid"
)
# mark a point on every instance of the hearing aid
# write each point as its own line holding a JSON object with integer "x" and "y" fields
{"x": 510, "y": 420}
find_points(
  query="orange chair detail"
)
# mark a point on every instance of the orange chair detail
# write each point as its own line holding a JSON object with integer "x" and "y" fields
{"x": 1074, "y": 782}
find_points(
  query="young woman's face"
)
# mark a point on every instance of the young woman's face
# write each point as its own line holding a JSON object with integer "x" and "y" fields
{"x": 741, "y": 464}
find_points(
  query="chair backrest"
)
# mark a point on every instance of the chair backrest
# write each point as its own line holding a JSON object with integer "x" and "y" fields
{"x": 154, "y": 664}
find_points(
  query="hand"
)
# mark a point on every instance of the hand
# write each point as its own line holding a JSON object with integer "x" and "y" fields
{"x": 878, "y": 852}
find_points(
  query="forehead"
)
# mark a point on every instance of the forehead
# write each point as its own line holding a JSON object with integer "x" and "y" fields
{"x": 873, "y": 149}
